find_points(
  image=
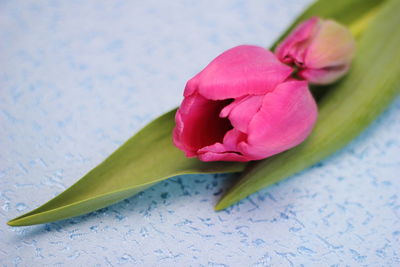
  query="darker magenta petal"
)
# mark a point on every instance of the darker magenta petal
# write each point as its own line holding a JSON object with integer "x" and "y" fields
{"x": 198, "y": 124}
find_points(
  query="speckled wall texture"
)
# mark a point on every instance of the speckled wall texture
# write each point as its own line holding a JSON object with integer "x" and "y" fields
{"x": 78, "y": 78}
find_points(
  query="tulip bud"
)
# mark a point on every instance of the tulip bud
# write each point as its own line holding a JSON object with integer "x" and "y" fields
{"x": 243, "y": 106}
{"x": 321, "y": 49}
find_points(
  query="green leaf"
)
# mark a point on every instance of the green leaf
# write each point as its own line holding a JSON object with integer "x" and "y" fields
{"x": 145, "y": 159}
{"x": 347, "y": 108}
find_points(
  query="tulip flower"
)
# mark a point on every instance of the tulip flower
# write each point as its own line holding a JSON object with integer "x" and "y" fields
{"x": 321, "y": 49}
{"x": 243, "y": 106}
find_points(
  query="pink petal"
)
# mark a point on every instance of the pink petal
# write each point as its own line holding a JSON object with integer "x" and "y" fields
{"x": 232, "y": 138}
{"x": 216, "y": 148}
{"x": 333, "y": 45}
{"x": 227, "y": 109}
{"x": 191, "y": 86}
{"x": 239, "y": 71}
{"x": 324, "y": 75}
{"x": 211, "y": 156}
{"x": 293, "y": 47}
{"x": 241, "y": 111}
{"x": 285, "y": 120}
{"x": 228, "y": 149}
{"x": 177, "y": 136}
{"x": 198, "y": 124}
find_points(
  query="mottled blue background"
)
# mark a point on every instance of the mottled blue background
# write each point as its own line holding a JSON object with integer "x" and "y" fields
{"x": 78, "y": 78}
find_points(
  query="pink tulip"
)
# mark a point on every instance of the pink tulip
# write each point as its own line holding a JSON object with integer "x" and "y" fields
{"x": 321, "y": 49}
{"x": 243, "y": 106}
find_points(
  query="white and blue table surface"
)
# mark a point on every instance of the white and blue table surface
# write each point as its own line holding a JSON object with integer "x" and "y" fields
{"x": 78, "y": 78}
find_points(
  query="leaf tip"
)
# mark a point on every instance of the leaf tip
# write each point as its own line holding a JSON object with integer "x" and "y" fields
{"x": 13, "y": 222}
{"x": 218, "y": 207}
{"x": 19, "y": 221}
{"x": 221, "y": 205}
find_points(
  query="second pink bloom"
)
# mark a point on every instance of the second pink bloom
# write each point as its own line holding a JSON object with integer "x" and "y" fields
{"x": 322, "y": 50}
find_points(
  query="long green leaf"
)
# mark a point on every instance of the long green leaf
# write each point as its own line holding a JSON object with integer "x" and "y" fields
{"x": 146, "y": 158}
{"x": 347, "y": 109}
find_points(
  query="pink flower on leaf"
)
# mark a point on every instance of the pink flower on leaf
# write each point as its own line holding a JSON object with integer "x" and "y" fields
{"x": 321, "y": 49}
{"x": 243, "y": 106}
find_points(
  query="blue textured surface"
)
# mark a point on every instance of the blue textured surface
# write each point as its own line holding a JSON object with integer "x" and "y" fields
{"x": 78, "y": 78}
